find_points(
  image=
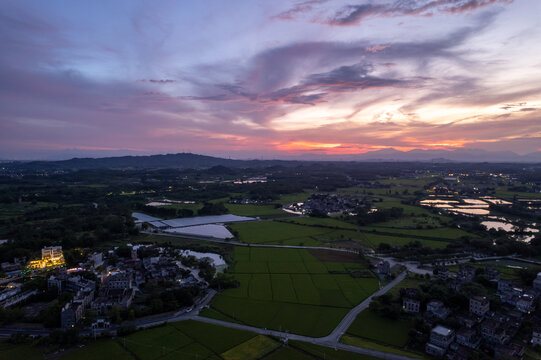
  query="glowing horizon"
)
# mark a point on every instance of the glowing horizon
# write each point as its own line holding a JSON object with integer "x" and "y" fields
{"x": 269, "y": 79}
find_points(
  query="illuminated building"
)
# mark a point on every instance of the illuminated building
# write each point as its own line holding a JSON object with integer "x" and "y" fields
{"x": 51, "y": 256}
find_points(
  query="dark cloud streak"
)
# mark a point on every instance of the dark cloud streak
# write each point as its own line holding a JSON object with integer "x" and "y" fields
{"x": 354, "y": 14}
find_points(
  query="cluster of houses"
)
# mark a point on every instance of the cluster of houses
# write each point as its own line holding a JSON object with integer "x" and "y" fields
{"x": 326, "y": 204}
{"x": 117, "y": 284}
{"x": 15, "y": 267}
{"x": 13, "y": 294}
{"x": 481, "y": 327}
{"x": 84, "y": 290}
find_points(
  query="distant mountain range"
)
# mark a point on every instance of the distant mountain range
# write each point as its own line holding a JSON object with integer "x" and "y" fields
{"x": 459, "y": 155}
{"x": 194, "y": 161}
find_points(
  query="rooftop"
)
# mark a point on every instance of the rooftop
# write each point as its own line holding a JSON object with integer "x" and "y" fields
{"x": 442, "y": 330}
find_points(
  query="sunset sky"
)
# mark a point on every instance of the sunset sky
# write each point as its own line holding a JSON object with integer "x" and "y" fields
{"x": 268, "y": 79}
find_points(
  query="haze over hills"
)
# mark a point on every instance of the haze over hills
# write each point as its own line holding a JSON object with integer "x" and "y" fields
{"x": 189, "y": 160}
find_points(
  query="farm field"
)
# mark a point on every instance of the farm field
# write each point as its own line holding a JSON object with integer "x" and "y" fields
{"x": 321, "y": 352}
{"x": 504, "y": 193}
{"x": 292, "y": 289}
{"x": 8, "y": 211}
{"x": 373, "y": 240}
{"x": 288, "y": 233}
{"x": 398, "y": 226}
{"x": 355, "y": 341}
{"x": 273, "y": 232}
{"x": 371, "y": 326}
{"x": 328, "y": 222}
{"x": 254, "y": 210}
{"x": 181, "y": 340}
{"x": 186, "y": 340}
{"x": 19, "y": 351}
{"x": 291, "y": 198}
{"x": 439, "y": 233}
{"x": 101, "y": 349}
{"x": 253, "y": 349}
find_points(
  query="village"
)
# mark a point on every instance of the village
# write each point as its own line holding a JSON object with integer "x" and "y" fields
{"x": 119, "y": 284}
{"x": 456, "y": 330}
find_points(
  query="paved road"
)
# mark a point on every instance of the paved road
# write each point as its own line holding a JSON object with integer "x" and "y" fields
{"x": 412, "y": 266}
{"x": 346, "y": 322}
{"x": 316, "y": 341}
{"x": 331, "y": 340}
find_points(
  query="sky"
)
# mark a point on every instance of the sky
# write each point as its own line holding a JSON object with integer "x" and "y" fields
{"x": 268, "y": 79}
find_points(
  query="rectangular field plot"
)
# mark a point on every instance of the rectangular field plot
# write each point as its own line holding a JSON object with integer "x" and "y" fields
{"x": 273, "y": 232}
{"x": 287, "y": 268}
{"x": 253, "y": 349}
{"x": 306, "y": 290}
{"x": 146, "y": 343}
{"x": 242, "y": 290}
{"x": 316, "y": 267}
{"x": 260, "y": 287}
{"x": 288, "y": 353}
{"x": 217, "y": 338}
{"x": 247, "y": 267}
{"x": 370, "y": 325}
{"x": 254, "y": 210}
{"x": 107, "y": 349}
{"x": 189, "y": 352}
{"x": 282, "y": 288}
{"x": 298, "y": 293}
{"x": 297, "y": 318}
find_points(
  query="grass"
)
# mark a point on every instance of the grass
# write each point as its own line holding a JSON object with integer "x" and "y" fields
{"x": 327, "y": 222}
{"x": 532, "y": 354}
{"x": 504, "y": 193}
{"x": 291, "y": 198}
{"x": 146, "y": 343}
{"x": 372, "y": 326}
{"x": 288, "y": 233}
{"x": 22, "y": 351}
{"x": 355, "y": 341}
{"x": 216, "y": 338}
{"x": 438, "y": 233}
{"x": 322, "y": 352}
{"x": 13, "y": 210}
{"x": 254, "y": 210}
{"x": 288, "y": 353}
{"x": 181, "y": 340}
{"x": 373, "y": 240}
{"x": 253, "y": 349}
{"x": 290, "y": 289}
{"x": 102, "y": 349}
{"x": 273, "y": 232}
{"x": 409, "y": 282}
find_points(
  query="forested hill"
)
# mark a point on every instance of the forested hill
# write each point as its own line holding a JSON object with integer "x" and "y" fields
{"x": 179, "y": 161}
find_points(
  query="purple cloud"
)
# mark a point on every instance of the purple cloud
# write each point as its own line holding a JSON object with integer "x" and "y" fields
{"x": 354, "y": 14}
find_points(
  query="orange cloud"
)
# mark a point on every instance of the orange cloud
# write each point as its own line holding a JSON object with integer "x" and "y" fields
{"x": 304, "y": 145}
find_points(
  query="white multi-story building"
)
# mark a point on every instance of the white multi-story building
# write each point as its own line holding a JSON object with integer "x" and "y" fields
{"x": 440, "y": 339}
{"x": 479, "y": 305}
{"x": 52, "y": 253}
